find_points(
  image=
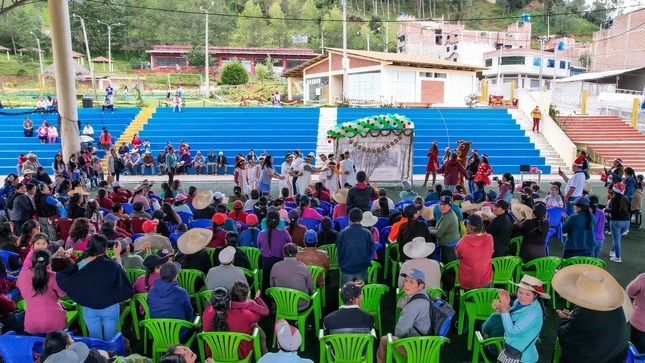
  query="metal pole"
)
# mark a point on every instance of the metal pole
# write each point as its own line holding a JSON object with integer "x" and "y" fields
{"x": 89, "y": 58}
{"x": 207, "y": 85}
{"x": 109, "y": 26}
{"x": 541, "y": 40}
{"x": 368, "y": 41}
{"x": 65, "y": 84}
{"x": 387, "y": 29}
{"x": 345, "y": 61}
{"x": 40, "y": 60}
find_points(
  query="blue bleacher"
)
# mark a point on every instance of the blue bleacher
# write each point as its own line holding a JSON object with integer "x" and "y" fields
{"x": 492, "y": 131}
{"x": 235, "y": 130}
{"x": 14, "y": 142}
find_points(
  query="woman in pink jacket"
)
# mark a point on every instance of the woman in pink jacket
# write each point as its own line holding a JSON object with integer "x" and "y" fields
{"x": 37, "y": 283}
{"x": 636, "y": 290}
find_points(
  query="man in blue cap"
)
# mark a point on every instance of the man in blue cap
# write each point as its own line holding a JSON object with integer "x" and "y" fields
{"x": 311, "y": 256}
{"x": 415, "y": 316}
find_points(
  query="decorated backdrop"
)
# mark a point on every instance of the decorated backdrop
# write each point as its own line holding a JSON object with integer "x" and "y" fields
{"x": 380, "y": 145}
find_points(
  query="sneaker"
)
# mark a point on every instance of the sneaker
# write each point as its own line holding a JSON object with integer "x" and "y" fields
{"x": 616, "y": 259}
{"x": 625, "y": 233}
{"x": 612, "y": 254}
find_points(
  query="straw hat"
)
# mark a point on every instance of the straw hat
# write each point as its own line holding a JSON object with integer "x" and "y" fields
{"x": 468, "y": 206}
{"x": 521, "y": 211}
{"x": 428, "y": 213}
{"x": 533, "y": 284}
{"x": 340, "y": 196}
{"x": 194, "y": 240}
{"x": 78, "y": 190}
{"x": 28, "y": 171}
{"x": 418, "y": 248}
{"x": 590, "y": 287}
{"x": 202, "y": 199}
{"x": 369, "y": 219}
{"x": 487, "y": 211}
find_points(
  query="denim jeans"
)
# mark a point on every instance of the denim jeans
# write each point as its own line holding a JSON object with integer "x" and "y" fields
{"x": 569, "y": 207}
{"x": 102, "y": 323}
{"x": 344, "y": 277}
{"x": 471, "y": 185}
{"x": 597, "y": 248}
{"x": 617, "y": 229}
{"x": 450, "y": 187}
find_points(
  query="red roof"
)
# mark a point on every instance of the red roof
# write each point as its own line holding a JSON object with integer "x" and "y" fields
{"x": 4, "y": 49}
{"x": 100, "y": 59}
{"x": 74, "y": 54}
{"x": 232, "y": 50}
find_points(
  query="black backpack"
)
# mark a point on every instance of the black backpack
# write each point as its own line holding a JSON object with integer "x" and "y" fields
{"x": 441, "y": 314}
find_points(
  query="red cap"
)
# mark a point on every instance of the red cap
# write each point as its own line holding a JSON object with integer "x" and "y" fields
{"x": 149, "y": 226}
{"x": 251, "y": 219}
{"x": 219, "y": 218}
{"x": 238, "y": 204}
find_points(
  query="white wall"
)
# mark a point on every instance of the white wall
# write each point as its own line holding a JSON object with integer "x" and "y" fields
{"x": 456, "y": 88}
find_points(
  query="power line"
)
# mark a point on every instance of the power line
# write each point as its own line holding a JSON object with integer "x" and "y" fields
{"x": 352, "y": 20}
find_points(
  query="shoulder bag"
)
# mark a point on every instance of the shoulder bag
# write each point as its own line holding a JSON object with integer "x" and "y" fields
{"x": 512, "y": 355}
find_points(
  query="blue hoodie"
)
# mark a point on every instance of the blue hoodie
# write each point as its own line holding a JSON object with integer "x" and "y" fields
{"x": 170, "y": 301}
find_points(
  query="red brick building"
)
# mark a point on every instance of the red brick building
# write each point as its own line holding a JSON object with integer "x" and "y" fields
{"x": 621, "y": 45}
{"x": 171, "y": 57}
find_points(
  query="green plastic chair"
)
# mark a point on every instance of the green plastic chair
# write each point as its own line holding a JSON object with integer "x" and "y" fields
{"x": 543, "y": 268}
{"x": 254, "y": 256}
{"x": 333, "y": 255}
{"x": 392, "y": 257}
{"x": 224, "y": 346}
{"x": 506, "y": 269}
{"x": 211, "y": 254}
{"x": 583, "y": 260}
{"x": 452, "y": 266}
{"x": 477, "y": 306}
{"x": 317, "y": 271}
{"x": 133, "y": 308}
{"x": 347, "y": 348}
{"x": 481, "y": 344}
{"x": 436, "y": 293}
{"x": 255, "y": 275}
{"x": 165, "y": 332}
{"x": 517, "y": 242}
{"x": 286, "y": 301}
{"x": 188, "y": 279}
{"x": 371, "y": 302}
{"x": 557, "y": 354}
{"x": 372, "y": 273}
{"x": 134, "y": 274}
{"x": 71, "y": 306}
{"x": 425, "y": 349}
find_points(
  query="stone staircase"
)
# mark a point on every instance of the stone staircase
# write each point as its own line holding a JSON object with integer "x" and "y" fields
{"x": 134, "y": 128}
{"x": 541, "y": 143}
{"x": 328, "y": 118}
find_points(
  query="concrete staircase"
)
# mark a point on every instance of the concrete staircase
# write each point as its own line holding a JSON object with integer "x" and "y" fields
{"x": 608, "y": 137}
{"x": 328, "y": 119}
{"x": 546, "y": 151}
{"x": 134, "y": 128}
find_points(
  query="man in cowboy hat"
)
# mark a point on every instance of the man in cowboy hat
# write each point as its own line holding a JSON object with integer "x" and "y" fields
{"x": 148, "y": 163}
{"x": 192, "y": 254}
{"x": 501, "y": 227}
{"x": 31, "y": 163}
{"x": 203, "y": 204}
{"x": 474, "y": 251}
{"x": 418, "y": 250}
{"x": 349, "y": 318}
{"x": 595, "y": 331}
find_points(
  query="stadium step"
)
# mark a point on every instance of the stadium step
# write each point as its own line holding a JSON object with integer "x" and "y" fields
{"x": 137, "y": 124}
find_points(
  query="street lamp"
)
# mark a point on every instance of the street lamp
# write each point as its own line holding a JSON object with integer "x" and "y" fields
{"x": 87, "y": 50}
{"x": 541, "y": 39}
{"x": 367, "y": 35}
{"x": 40, "y": 59}
{"x": 345, "y": 61}
{"x": 206, "y": 53}
{"x": 109, "y": 26}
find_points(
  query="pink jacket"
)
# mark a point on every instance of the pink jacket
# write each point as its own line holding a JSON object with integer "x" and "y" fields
{"x": 44, "y": 312}
{"x": 636, "y": 289}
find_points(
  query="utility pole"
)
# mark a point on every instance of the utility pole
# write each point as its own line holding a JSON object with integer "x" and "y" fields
{"x": 40, "y": 60}
{"x": 387, "y": 29}
{"x": 109, "y": 26}
{"x": 541, "y": 39}
{"x": 89, "y": 58}
{"x": 207, "y": 84}
{"x": 345, "y": 61}
{"x": 65, "y": 83}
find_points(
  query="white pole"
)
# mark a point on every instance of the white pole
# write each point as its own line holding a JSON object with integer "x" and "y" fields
{"x": 89, "y": 58}
{"x": 40, "y": 60}
{"x": 109, "y": 26}
{"x": 65, "y": 83}
{"x": 207, "y": 85}
{"x": 368, "y": 41}
{"x": 345, "y": 61}
{"x": 387, "y": 29}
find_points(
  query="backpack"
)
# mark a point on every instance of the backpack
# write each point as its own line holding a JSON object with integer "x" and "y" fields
{"x": 441, "y": 314}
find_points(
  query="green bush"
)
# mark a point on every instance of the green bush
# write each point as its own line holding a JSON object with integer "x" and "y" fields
{"x": 234, "y": 73}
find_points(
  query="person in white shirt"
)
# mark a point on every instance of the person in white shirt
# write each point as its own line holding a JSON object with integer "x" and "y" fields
{"x": 575, "y": 184}
{"x": 295, "y": 168}
{"x": 285, "y": 171}
{"x": 88, "y": 130}
{"x": 346, "y": 167}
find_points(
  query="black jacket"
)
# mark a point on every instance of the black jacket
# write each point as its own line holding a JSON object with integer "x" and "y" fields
{"x": 501, "y": 228}
{"x": 359, "y": 197}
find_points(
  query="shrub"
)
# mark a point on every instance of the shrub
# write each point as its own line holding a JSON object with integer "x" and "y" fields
{"x": 234, "y": 73}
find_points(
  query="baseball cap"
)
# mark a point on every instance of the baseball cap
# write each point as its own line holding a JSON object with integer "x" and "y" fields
{"x": 304, "y": 199}
{"x": 227, "y": 255}
{"x": 116, "y": 184}
{"x": 311, "y": 237}
{"x": 169, "y": 271}
{"x": 181, "y": 197}
{"x": 153, "y": 261}
{"x": 288, "y": 336}
{"x": 294, "y": 214}
{"x": 475, "y": 220}
{"x": 350, "y": 291}
{"x": 445, "y": 199}
{"x": 502, "y": 204}
{"x": 251, "y": 219}
{"x": 416, "y": 274}
{"x": 219, "y": 218}
{"x": 581, "y": 200}
{"x": 149, "y": 225}
{"x": 238, "y": 204}
{"x": 218, "y": 195}
{"x": 410, "y": 209}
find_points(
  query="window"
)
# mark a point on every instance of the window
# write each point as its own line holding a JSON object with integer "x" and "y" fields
{"x": 512, "y": 60}
{"x": 425, "y": 74}
{"x": 550, "y": 63}
{"x": 438, "y": 39}
{"x": 441, "y": 75}
{"x": 454, "y": 59}
{"x": 402, "y": 38}
{"x": 508, "y": 46}
{"x": 292, "y": 63}
{"x": 563, "y": 64}
{"x": 170, "y": 62}
{"x": 488, "y": 62}
{"x": 402, "y": 49}
{"x": 447, "y": 49}
{"x": 455, "y": 47}
{"x": 364, "y": 86}
{"x": 536, "y": 61}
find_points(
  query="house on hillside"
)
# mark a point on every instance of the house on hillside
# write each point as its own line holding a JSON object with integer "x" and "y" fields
{"x": 620, "y": 44}
{"x": 171, "y": 57}
{"x": 376, "y": 78}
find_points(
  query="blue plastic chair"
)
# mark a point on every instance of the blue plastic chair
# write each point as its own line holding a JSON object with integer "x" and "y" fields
{"x": 171, "y": 227}
{"x": 310, "y": 223}
{"x": 290, "y": 205}
{"x": 128, "y": 208}
{"x": 5, "y": 255}
{"x": 382, "y": 223}
{"x": 200, "y": 223}
{"x": 104, "y": 210}
{"x": 548, "y": 237}
{"x": 340, "y": 223}
{"x": 400, "y": 205}
{"x": 555, "y": 219}
{"x": 250, "y": 211}
{"x": 327, "y": 207}
{"x": 136, "y": 235}
{"x": 17, "y": 348}
{"x": 430, "y": 203}
{"x": 185, "y": 217}
{"x": 633, "y": 356}
{"x": 113, "y": 345}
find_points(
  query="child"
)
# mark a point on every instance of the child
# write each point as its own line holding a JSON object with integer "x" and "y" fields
{"x": 535, "y": 191}
{"x": 600, "y": 225}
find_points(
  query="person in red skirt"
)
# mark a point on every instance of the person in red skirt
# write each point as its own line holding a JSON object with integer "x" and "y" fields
{"x": 433, "y": 163}
{"x": 484, "y": 170}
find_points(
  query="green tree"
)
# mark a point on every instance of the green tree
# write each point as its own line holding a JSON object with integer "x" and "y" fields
{"x": 261, "y": 72}
{"x": 278, "y": 30}
{"x": 598, "y": 13}
{"x": 15, "y": 28}
{"x": 234, "y": 73}
{"x": 308, "y": 26}
{"x": 333, "y": 28}
{"x": 252, "y": 28}
{"x": 196, "y": 57}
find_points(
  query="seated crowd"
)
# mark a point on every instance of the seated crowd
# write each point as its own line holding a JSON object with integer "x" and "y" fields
{"x": 61, "y": 242}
